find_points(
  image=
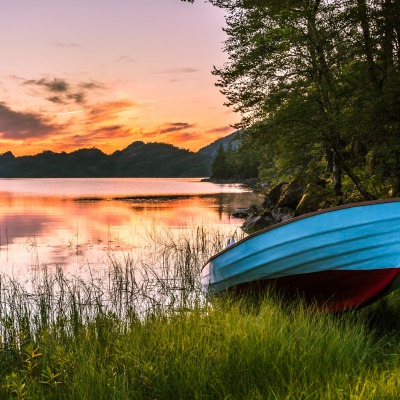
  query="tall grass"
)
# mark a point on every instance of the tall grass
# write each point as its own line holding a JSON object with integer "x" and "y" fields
{"x": 142, "y": 330}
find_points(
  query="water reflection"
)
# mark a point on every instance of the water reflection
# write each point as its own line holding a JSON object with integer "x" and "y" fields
{"x": 71, "y": 231}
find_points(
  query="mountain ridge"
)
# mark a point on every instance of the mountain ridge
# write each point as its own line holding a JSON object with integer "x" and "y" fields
{"x": 139, "y": 159}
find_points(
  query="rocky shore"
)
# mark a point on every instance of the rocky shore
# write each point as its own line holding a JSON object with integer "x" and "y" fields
{"x": 286, "y": 200}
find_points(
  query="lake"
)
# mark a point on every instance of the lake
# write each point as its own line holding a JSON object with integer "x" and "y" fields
{"x": 76, "y": 223}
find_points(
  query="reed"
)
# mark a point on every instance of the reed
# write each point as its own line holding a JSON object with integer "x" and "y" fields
{"x": 142, "y": 330}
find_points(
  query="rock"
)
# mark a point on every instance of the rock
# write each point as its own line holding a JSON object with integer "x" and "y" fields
{"x": 292, "y": 193}
{"x": 253, "y": 223}
{"x": 274, "y": 194}
{"x": 266, "y": 211}
{"x": 315, "y": 197}
{"x": 265, "y": 219}
{"x": 353, "y": 197}
{"x": 305, "y": 193}
{"x": 282, "y": 214}
{"x": 241, "y": 213}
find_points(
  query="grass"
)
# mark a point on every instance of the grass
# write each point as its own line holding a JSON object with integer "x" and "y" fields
{"x": 141, "y": 332}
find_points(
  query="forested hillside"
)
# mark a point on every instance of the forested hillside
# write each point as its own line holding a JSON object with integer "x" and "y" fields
{"x": 137, "y": 160}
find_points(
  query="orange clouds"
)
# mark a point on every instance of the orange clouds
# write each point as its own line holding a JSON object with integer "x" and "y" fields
{"x": 186, "y": 135}
{"x": 109, "y": 111}
{"x": 173, "y": 132}
{"x": 63, "y": 126}
{"x": 68, "y": 114}
{"x": 97, "y": 126}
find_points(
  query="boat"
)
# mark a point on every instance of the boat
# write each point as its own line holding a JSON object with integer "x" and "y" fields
{"x": 340, "y": 258}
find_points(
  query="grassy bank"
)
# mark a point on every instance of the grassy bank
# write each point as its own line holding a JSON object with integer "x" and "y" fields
{"x": 72, "y": 338}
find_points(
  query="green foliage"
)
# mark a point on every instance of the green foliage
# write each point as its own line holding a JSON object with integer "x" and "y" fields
{"x": 237, "y": 164}
{"x": 234, "y": 349}
{"x": 221, "y": 166}
{"x": 317, "y": 83}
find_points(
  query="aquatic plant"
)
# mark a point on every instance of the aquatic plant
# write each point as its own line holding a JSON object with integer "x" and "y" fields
{"x": 141, "y": 329}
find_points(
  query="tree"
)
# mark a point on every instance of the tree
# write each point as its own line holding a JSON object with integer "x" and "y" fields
{"x": 318, "y": 81}
{"x": 320, "y": 77}
{"x": 220, "y": 167}
{"x": 377, "y": 105}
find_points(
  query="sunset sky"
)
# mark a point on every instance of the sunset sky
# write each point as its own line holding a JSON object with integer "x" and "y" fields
{"x": 105, "y": 73}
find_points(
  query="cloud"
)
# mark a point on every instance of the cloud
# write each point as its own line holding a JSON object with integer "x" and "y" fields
{"x": 221, "y": 130}
{"x": 105, "y": 111}
{"x": 55, "y": 85}
{"x": 78, "y": 97}
{"x": 174, "y": 132}
{"x": 185, "y": 136}
{"x": 61, "y": 91}
{"x": 23, "y": 125}
{"x": 124, "y": 59}
{"x": 75, "y": 142}
{"x": 56, "y": 99}
{"x": 112, "y": 131}
{"x": 92, "y": 85}
{"x": 174, "y": 127}
{"x": 95, "y": 137}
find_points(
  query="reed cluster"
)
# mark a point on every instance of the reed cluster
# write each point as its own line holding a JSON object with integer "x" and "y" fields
{"x": 142, "y": 330}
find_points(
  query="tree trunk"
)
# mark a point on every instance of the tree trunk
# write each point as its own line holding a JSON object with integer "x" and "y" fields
{"x": 396, "y": 29}
{"x": 388, "y": 51}
{"x": 337, "y": 176}
{"x": 368, "y": 46}
{"x": 325, "y": 83}
{"x": 329, "y": 163}
{"x": 356, "y": 180}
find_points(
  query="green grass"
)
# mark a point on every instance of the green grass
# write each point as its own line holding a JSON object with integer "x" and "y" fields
{"x": 69, "y": 338}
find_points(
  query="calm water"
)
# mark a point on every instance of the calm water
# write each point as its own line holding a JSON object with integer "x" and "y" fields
{"x": 79, "y": 222}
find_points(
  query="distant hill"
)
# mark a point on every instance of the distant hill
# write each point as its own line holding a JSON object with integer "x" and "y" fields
{"x": 212, "y": 149}
{"x": 158, "y": 160}
{"x": 137, "y": 160}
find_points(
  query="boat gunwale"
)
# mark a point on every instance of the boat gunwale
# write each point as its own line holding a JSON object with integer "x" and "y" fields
{"x": 278, "y": 275}
{"x": 320, "y": 247}
{"x": 301, "y": 217}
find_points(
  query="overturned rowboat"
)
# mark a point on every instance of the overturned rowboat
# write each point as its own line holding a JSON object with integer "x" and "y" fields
{"x": 342, "y": 258}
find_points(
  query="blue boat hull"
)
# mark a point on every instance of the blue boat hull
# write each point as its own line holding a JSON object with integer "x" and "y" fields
{"x": 343, "y": 257}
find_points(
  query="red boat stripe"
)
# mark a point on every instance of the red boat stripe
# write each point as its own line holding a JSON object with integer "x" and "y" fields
{"x": 333, "y": 290}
